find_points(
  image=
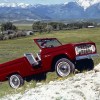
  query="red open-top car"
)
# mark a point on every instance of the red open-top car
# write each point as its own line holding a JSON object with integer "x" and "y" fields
{"x": 53, "y": 55}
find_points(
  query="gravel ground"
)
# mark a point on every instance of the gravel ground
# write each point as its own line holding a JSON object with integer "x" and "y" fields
{"x": 82, "y": 86}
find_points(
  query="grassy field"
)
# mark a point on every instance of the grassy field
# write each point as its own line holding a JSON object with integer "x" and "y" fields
{"x": 11, "y": 49}
{"x": 24, "y": 26}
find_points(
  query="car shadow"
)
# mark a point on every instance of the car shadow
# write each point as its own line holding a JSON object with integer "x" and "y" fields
{"x": 37, "y": 77}
{"x": 85, "y": 64}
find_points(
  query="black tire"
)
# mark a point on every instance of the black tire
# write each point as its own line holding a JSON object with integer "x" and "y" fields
{"x": 90, "y": 64}
{"x": 64, "y": 67}
{"x": 15, "y": 81}
{"x": 85, "y": 64}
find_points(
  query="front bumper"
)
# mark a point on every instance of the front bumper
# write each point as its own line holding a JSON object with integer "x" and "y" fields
{"x": 87, "y": 56}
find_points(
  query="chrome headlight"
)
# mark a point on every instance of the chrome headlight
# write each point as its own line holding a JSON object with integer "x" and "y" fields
{"x": 77, "y": 50}
{"x": 93, "y": 48}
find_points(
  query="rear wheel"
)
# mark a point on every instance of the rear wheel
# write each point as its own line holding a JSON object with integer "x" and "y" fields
{"x": 64, "y": 67}
{"x": 15, "y": 81}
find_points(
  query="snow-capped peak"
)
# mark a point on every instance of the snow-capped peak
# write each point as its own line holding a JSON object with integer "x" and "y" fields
{"x": 87, "y": 3}
{"x": 22, "y": 5}
{"x": 65, "y": 3}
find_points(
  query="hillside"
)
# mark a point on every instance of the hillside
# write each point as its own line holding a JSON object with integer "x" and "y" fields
{"x": 83, "y": 86}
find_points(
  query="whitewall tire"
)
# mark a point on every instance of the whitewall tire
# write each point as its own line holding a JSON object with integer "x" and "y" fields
{"x": 15, "y": 81}
{"x": 64, "y": 67}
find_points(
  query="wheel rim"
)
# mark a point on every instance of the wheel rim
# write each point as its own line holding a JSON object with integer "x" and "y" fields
{"x": 14, "y": 81}
{"x": 63, "y": 69}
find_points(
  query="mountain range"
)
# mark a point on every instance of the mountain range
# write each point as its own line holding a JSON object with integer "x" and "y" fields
{"x": 71, "y": 10}
{"x": 87, "y": 3}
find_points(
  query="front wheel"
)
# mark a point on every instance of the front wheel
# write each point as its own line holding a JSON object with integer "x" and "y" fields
{"x": 15, "y": 81}
{"x": 64, "y": 67}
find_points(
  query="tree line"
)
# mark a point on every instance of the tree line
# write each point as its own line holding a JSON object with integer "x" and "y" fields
{"x": 10, "y": 31}
{"x": 49, "y": 26}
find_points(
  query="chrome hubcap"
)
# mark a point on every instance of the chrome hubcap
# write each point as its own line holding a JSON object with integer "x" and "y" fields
{"x": 14, "y": 81}
{"x": 63, "y": 69}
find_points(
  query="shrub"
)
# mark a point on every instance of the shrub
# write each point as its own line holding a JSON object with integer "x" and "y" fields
{"x": 8, "y": 26}
{"x": 5, "y": 37}
{"x": 1, "y": 36}
{"x": 11, "y": 36}
{"x": 18, "y": 34}
{"x": 23, "y": 34}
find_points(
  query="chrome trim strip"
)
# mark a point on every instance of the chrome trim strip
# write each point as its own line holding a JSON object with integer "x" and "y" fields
{"x": 87, "y": 56}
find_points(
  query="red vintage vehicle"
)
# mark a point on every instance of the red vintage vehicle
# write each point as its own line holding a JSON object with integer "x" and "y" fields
{"x": 53, "y": 55}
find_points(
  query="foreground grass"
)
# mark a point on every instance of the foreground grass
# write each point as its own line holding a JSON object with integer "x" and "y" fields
{"x": 12, "y": 49}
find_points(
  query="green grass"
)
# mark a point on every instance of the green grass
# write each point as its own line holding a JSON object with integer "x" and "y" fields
{"x": 12, "y": 49}
{"x": 24, "y": 26}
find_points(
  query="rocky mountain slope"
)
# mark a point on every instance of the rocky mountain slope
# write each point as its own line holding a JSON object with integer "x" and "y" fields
{"x": 83, "y": 86}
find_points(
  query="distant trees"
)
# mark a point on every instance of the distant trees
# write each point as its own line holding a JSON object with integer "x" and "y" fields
{"x": 57, "y": 25}
{"x": 10, "y": 31}
{"x": 8, "y": 26}
{"x": 39, "y": 26}
{"x": 49, "y": 26}
{"x": 78, "y": 25}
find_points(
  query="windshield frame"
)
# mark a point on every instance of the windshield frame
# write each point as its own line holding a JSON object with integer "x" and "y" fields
{"x": 46, "y": 39}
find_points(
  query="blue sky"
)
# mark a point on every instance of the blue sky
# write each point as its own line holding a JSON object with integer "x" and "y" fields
{"x": 37, "y": 1}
